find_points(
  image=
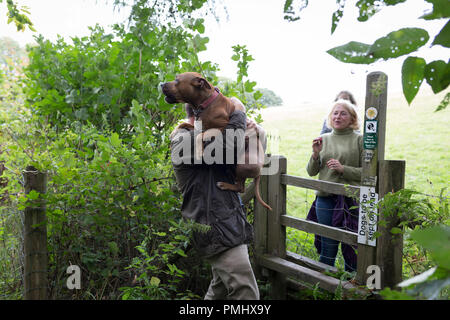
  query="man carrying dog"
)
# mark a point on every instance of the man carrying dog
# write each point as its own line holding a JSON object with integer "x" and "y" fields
{"x": 224, "y": 244}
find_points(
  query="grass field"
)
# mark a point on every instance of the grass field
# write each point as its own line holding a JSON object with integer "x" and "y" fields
{"x": 414, "y": 133}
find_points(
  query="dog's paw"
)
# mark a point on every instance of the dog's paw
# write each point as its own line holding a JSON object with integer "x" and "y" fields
{"x": 185, "y": 125}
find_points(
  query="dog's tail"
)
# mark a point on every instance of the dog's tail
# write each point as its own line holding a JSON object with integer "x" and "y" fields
{"x": 258, "y": 196}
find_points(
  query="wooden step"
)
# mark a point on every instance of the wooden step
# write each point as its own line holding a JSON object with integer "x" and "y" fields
{"x": 305, "y": 274}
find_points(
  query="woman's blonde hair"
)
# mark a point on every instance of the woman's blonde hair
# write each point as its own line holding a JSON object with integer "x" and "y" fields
{"x": 350, "y": 108}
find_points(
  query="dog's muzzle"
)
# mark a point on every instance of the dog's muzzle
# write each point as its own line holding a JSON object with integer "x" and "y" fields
{"x": 170, "y": 98}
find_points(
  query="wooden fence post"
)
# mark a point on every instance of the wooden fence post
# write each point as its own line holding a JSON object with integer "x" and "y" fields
{"x": 390, "y": 246}
{"x": 374, "y": 127}
{"x": 276, "y": 232}
{"x": 35, "y": 238}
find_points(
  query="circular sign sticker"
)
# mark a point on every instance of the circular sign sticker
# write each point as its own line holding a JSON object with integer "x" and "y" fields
{"x": 371, "y": 113}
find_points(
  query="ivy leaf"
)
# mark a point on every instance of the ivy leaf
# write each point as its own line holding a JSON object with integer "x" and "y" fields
{"x": 412, "y": 76}
{"x": 443, "y": 38}
{"x": 352, "y": 52}
{"x": 437, "y": 74}
{"x": 398, "y": 43}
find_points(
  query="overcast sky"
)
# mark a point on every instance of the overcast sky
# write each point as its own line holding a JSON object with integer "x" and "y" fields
{"x": 290, "y": 57}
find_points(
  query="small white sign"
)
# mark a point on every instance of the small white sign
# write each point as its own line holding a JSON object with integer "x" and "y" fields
{"x": 368, "y": 216}
{"x": 371, "y": 126}
{"x": 371, "y": 113}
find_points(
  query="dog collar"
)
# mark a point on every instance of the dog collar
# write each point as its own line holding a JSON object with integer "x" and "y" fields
{"x": 208, "y": 101}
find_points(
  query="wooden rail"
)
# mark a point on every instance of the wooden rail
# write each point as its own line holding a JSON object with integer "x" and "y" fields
{"x": 320, "y": 229}
{"x": 325, "y": 186}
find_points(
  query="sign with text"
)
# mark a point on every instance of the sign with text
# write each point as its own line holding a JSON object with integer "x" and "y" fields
{"x": 368, "y": 211}
{"x": 370, "y": 137}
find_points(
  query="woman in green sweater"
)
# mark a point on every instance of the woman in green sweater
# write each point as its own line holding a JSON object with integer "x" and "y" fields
{"x": 337, "y": 157}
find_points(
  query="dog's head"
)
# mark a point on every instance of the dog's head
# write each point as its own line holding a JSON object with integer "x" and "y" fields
{"x": 189, "y": 87}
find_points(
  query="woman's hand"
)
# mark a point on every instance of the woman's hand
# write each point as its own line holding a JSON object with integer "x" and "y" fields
{"x": 334, "y": 164}
{"x": 317, "y": 147}
{"x": 251, "y": 124}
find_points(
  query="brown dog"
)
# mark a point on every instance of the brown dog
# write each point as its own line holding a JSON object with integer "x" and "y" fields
{"x": 214, "y": 110}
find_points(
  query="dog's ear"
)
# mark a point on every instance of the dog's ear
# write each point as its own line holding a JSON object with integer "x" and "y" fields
{"x": 200, "y": 83}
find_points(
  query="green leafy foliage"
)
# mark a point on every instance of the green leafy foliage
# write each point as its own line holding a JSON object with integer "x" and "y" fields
{"x": 436, "y": 239}
{"x": 293, "y": 8}
{"x": 412, "y": 76}
{"x": 353, "y": 52}
{"x": 424, "y": 220}
{"x": 96, "y": 121}
{"x": 437, "y": 74}
{"x": 443, "y": 37}
{"x": 18, "y": 16}
{"x": 435, "y": 282}
{"x": 368, "y": 8}
{"x": 440, "y": 10}
{"x": 337, "y": 15}
{"x": 398, "y": 43}
{"x": 395, "y": 44}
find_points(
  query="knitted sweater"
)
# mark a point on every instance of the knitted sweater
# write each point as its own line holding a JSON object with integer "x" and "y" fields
{"x": 344, "y": 145}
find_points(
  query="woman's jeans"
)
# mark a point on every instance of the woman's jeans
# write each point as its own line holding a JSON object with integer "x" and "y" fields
{"x": 329, "y": 247}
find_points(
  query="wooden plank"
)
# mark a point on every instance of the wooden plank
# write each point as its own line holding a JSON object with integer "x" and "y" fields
{"x": 276, "y": 241}
{"x": 325, "y": 186}
{"x": 390, "y": 246}
{"x": 303, "y": 274}
{"x": 374, "y": 127}
{"x": 320, "y": 229}
{"x": 309, "y": 263}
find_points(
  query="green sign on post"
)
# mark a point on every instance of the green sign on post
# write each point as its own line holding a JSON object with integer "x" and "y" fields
{"x": 370, "y": 135}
